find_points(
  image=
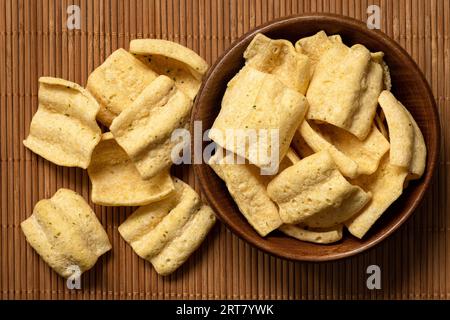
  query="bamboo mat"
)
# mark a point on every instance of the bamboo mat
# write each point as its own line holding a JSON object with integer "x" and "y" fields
{"x": 35, "y": 41}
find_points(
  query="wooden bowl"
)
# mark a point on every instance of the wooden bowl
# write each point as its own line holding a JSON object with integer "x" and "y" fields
{"x": 408, "y": 85}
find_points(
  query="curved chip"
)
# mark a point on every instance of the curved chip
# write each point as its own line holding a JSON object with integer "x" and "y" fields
{"x": 197, "y": 66}
{"x": 258, "y": 103}
{"x": 344, "y": 89}
{"x": 117, "y": 83}
{"x": 333, "y": 216}
{"x": 352, "y": 156}
{"x": 385, "y": 185}
{"x": 315, "y": 46}
{"x": 175, "y": 70}
{"x": 167, "y": 232}
{"x": 322, "y": 236}
{"x": 401, "y": 131}
{"x": 66, "y": 233}
{"x": 248, "y": 189}
{"x": 116, "y": 181}
{"x": 366, "y": 153}
{"x": 151, "y": 227}
{"x": 408, "y": 148}
{"x": 317, "y": 142}
{"x": 144, "y": 129}
{"x": 278, "y": 57}
{"x": 181, "y": 247}
{"x": 64, "y": 130}
{"x": 314, "y": 189}
{"x": 419, "y": 158}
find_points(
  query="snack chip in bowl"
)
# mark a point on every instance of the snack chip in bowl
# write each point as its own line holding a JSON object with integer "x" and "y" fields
{"x": 348, "y": 147}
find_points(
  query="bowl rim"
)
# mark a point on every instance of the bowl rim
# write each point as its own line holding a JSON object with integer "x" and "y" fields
{"x": 429, "y": 172}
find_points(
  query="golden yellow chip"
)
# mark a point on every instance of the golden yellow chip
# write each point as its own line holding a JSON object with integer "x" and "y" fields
{"x": 314, "y": 190}
{"x": 278, "y": 57}
{"x": 322, "y": 236}
{"x": 401, "y": 131}
{"x": 66, "y": 233}
{"x": 317, "y": 142}
{"x": 366, "y": 153}
{"x": 408, "y": 148}
{"x": 116, "y": 181}
{"x": 419, "y": 157}
{"x": 185, "y": 67}
{"x": 180, "y": 248}
{"x": 352, "y": 156}
{"x": 344, "y": 89}
{"x": 64, "y": 130}
{"x": 385, "y": 185}
{"x": 315, "y": 46}
{"x": 175, "y": 70}
{"x": 144, "y": 129}
{"x": 248, "y": 189}
{"x": 117, "y": 83}
{"x": 197, "y": 66}
{"x": 167, "y": 232}
{"x": 258, "y": 104}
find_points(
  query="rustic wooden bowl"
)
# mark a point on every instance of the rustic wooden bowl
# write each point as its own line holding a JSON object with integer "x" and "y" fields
{"x": 409, "y": 86}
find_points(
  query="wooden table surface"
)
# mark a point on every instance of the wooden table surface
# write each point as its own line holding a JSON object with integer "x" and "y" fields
{"x": 35, "y": 41}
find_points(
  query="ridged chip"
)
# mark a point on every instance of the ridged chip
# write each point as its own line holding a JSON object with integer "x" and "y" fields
{"x": 117, "y": 83}
{"x": 352, "y": 156}
{"x": 314, "y": 191}
{"x": 64, "y": 130}
{"x": 408, "y": 149}
{"x": 185, "y": 67}
{"x": 385, "y": 185}
{"x": 248, "y": 189}
{"x": 167, "y": 232}
{"x": 278, "y": 57}
{"x": 116, "y": 181}
{"x": 66, "y": 233}
{"x": 197, "y": 65}
{"x": 314, "y": 46}
{"x": 144, "y": 129}
{"x": 344, "y": 89}
{"x": 258, "y": 103}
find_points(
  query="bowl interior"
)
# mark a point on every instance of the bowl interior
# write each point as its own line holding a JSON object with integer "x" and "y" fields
{"x": 408, "y": 85}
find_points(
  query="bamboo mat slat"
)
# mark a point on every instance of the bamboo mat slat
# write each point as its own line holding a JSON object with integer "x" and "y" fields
{"x": 35, "y": 41}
